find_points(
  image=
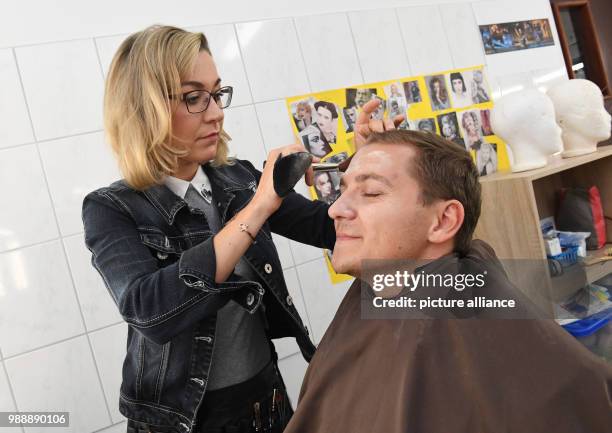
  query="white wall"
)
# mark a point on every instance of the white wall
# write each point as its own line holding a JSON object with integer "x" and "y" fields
{"x": 61, "y": 339}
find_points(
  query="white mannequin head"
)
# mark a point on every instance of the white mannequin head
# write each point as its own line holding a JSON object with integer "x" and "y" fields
{"x": 525, "y": 120}
{"x": 581, "y": 115}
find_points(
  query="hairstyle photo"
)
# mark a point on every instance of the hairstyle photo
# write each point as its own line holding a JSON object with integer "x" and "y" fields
{"x": 327, "y": 186}
{"x": 326, "y": 120}
{"x": 479, "y": 88}
{"x": 438, "y": 94}
{"x": 349, "y": 117}
{"x": 303, "y": 113}
{"x": 471, "y": 128}
{"x": 358, "y": 97}
{"x": 486, "y": 158}
{"x": 449, "y": 128}
{"x": 313, "y": 141}
{"x": 485, "y": 122}
{"x": 460, "y": 85}
{"x": 412, "y": 92}
{"x": 396, "y": 100}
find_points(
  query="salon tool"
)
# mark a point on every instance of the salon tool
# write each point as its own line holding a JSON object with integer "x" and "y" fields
{"x": 288, "y": 170}
{"x": 257, "y": 417}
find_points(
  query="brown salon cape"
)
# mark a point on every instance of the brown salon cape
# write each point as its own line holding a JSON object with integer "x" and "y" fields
{"x": 451, "y": 376}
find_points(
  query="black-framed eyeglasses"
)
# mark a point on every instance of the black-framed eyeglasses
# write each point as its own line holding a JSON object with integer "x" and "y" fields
{"x": 198, "y": 101}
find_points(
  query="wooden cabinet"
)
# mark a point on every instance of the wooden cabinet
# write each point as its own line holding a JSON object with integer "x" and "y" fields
{"x": 514, "y": 203}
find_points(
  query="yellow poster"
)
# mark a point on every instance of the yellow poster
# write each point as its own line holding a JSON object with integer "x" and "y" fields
{"x": 455, "y": 104}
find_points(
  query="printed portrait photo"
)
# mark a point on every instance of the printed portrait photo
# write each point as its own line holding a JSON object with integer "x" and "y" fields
{"x": 486, "y": 158}
{"x": 412, "y": 92}
{"x": 379, "y": 113}
{"x": 396, "y": 100}
{"x": 302, "y": 112}
{"x": 349, "y": 117}
{"x": 426, "y": 125}
{"x": 313, "y": 142}
{"x": 438, "y": 93}
{"x": 326, "y": 119}
{"x": 485, "y": 122}
{"x": 327, "y": 185}
{"x": 358, "y": 97}
{"x": 471, "y": 128}
{"x": 460, "y": 85}
{"x": 449, "y": 128}
{"x": 337, "y": 158}
{"x": 479, "y": 88}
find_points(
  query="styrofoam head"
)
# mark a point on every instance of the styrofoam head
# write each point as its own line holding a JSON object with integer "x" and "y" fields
{"x": 580, "y": 109}
{"x": 527, "y": 118}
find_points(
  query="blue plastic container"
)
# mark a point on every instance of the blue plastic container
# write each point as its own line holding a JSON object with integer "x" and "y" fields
{"x": 594, "y": 332}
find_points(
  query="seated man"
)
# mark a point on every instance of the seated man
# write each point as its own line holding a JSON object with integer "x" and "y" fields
{"x": 414, "y": 195}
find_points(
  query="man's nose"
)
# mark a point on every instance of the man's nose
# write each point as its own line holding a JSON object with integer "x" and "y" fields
{"x": 342, "y": 208}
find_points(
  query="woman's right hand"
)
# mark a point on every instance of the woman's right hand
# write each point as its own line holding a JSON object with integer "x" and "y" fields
{"x": 266, "y": 197}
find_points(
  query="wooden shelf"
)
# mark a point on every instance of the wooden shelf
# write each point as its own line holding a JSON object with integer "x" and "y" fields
{"x": 555, "y": 164}
{"x": 599, "y": 270}
{"x": 514, "y": 203}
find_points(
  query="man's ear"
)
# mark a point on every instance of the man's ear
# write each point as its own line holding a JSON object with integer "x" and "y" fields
{"x": 448, "y": 220}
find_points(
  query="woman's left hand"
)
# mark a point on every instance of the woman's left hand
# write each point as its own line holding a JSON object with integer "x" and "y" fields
{"x": 365, "y": 125}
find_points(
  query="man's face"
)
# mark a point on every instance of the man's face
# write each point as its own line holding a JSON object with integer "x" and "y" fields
{"x": 379, "y": 214}
{"x": 324, "y": 119}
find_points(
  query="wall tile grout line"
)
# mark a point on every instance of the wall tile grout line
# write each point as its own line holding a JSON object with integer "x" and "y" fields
{"x": 297, "y": 35}
{"x": 348, "y": 20}
{"x": 104, "y": 36}
{"x": 297, "y": 274}
{"x": 65, "y": 254}
{"x": 63, "y": 340}
{"x": 399, "y": 26}
{"x": 250, "y": 90}
{"x": 10, "y": 386}
{"x": 109, "y": 426}
{"x": 482, "y": 49}
{"x": 99, "y": 59}
{"x": 450, "y": 51}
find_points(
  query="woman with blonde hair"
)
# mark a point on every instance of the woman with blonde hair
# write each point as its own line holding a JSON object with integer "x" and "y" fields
{"x": 184, "y": 246}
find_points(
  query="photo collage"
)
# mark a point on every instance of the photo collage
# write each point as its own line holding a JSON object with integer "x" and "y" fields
{"x": 455, "y": 104}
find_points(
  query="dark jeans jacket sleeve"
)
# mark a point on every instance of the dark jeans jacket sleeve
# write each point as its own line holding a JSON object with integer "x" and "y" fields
{"x": 158, "y": 302}
{"x": 300, "y": 219}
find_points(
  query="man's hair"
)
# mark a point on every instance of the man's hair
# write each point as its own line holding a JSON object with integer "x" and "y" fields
{"x": 328, "y": 106}
{"x": 444, "y": 171}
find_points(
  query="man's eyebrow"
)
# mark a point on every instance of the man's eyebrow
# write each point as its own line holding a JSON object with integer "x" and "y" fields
{"x": 200, "y": 85}
{"x": 367, "y": 176}
{"x": 374, "y": 176}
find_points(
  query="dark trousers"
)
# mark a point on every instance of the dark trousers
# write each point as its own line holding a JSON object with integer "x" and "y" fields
{"x": 259, "y": 404}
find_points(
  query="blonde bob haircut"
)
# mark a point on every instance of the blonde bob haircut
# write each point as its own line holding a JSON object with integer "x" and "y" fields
{"x": 146, "y": 70}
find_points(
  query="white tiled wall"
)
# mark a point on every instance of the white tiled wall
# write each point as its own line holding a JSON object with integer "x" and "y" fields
{"x": 62, "y": 341}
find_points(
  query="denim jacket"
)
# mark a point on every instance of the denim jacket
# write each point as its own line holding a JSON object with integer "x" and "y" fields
{"x": 156, "y": 256}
